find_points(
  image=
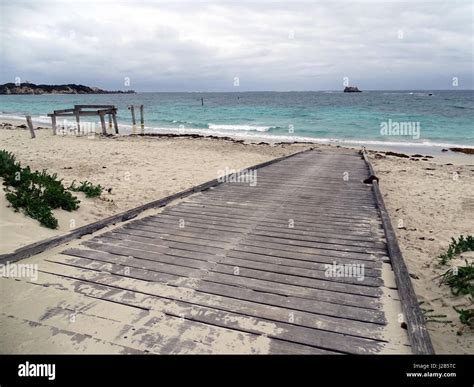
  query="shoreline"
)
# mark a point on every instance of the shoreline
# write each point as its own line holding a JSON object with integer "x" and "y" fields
{"x": 441, "y": 153}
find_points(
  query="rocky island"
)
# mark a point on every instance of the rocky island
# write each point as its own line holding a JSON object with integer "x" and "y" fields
{"x": 351, "y": 89}
{"x": 31, "y": 88}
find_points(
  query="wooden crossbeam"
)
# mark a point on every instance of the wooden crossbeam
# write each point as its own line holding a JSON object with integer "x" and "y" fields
{"x": 94, "y": 107}
{"x": 78, "y": 111}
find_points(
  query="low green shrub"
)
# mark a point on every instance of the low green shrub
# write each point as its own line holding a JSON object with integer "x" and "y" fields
{"x": 35, "y": 193}
{"x": 457, "y": 247}
{"x": 88, "y": 188}
{"x": 460, "y": 279}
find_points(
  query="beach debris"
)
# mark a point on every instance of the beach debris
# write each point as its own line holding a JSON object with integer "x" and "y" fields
{"x": 402, "y": 155}
{"x": 370, "y": 179}
{"x": 468, "y": 151}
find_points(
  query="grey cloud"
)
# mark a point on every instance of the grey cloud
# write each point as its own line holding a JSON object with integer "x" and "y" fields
{"x": 269, "y": 45}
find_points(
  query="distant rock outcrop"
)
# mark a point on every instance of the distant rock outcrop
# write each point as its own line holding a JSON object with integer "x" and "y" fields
{"x": 31, "y": 88}
{"x": 351, "y": 89}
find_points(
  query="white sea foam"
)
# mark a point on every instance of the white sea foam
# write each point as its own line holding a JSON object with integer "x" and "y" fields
{"x": 256, "y": 135}
{"x": 239, "y": 127}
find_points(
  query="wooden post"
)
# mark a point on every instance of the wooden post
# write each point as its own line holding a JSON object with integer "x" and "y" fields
{"x": 202, "y": 101}
{"x": 30, "y": 126}
{"x": 114, "y": 118}
{"x": 142, "y": 119}
{"x": 102, "y": 123}
{"x": 134, "y": 123}
{"x": 53, "y": 124}
{"x": 110, "y": 121}
{"x": 76, "y": 112}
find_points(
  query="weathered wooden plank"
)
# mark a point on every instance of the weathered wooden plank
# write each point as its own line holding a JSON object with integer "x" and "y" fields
{"x": 317, "y": 307}
{"x": 226, "y": 227}
{"x": 251, "y": 215}
{"x": 214, "y": 247}
{"x": 319, "y": 208}
{"x": 285, "y": 331}
{"x": 148, "y": 330}
{"x": 225, "y": 224}
{"x": 179, "y": 249}
{"x": 150, "y": 229}
{"x": 256, "y": 284}
{"x": 270, "y": 219}
{"x": 242, "y": 304}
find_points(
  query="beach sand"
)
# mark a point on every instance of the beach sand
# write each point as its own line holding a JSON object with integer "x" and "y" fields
{"x": 432, "y": 205}
{"x": 429, "y": 203}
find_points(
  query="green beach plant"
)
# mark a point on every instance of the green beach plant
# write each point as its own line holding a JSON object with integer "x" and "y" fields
{"x": 460, "y": 279}
{"x": 466, "y": 316}
{"x": 457, "y": 247}
{"x": 88, "y": 188}
{"x": 35, "y": 193}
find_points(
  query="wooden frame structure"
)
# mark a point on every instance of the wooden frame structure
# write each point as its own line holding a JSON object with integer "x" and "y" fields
{"x": 134, "y": 121}
{"x": 86, "y": 111}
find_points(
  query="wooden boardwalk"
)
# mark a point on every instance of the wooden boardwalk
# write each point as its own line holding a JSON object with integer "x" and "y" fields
{"x": 239, "y": 268}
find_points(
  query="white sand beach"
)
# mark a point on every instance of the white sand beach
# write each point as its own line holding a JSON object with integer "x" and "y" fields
{"x": 429, "y": 203}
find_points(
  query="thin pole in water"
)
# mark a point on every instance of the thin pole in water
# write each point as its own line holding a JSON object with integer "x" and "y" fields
{"x": 142, "y": 119}
{"x": 134, "y": 123}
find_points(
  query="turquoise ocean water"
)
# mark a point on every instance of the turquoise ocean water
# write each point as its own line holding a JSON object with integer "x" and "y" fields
{"x": 444, "y": 118}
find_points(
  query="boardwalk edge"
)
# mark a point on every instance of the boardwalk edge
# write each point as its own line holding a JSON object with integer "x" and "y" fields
{"x": 416, "y": 326}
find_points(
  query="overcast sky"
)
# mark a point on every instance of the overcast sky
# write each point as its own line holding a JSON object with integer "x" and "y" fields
{"x": 267, "y": 45}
